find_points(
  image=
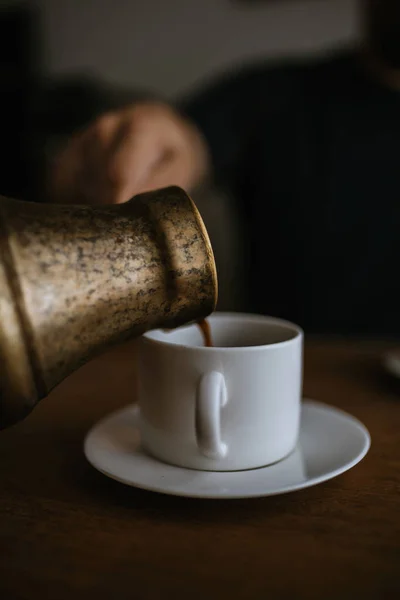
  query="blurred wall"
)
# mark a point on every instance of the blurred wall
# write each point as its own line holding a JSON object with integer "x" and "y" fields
{"x": 169, "y": 45}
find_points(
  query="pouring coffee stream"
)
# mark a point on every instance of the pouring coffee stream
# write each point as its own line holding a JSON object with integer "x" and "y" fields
{"x": 205, "y": 329}
{"x": 75, "y": 280}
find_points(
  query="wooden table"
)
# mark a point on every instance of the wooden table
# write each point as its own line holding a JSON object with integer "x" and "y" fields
{"x": 67, "y": 532}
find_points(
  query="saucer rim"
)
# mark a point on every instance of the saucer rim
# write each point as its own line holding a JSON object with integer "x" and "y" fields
{"x": 159, "y": 489}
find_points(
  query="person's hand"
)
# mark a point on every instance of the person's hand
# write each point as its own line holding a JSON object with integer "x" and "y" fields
{"x": 140, "y": 148}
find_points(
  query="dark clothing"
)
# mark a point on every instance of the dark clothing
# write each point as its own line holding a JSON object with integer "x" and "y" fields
{"x": 312, "y": 153}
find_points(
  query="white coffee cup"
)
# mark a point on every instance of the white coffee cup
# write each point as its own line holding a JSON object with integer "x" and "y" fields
{"x": 231, "y": 407}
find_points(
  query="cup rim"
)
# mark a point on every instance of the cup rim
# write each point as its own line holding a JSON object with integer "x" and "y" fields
{"x": 297, "y": 330}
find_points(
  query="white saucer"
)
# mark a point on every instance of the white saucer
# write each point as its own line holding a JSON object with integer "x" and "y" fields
{"x": 330, "y": 443}
{"x": 391, "y": 363}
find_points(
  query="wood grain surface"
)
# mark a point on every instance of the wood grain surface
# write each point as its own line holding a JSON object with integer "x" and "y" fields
{"x": 67, "y": 532}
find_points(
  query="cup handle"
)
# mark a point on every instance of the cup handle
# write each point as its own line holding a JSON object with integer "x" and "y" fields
{"x": 210, "y": 398}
